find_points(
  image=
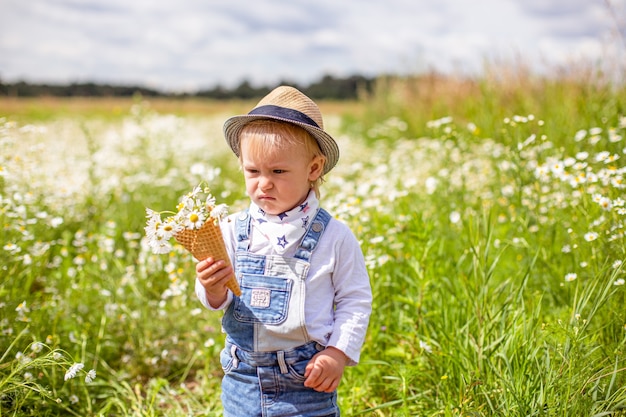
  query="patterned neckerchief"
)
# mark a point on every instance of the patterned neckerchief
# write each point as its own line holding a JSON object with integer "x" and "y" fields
{"x": 287, "y": 228}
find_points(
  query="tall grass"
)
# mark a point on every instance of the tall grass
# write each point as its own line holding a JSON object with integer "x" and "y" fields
{"x": 490, "y": 213}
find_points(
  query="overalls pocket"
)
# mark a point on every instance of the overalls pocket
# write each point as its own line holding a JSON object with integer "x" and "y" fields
{"x": 226, "y": 361}
{"x": 298, "y": 369}
{"x": 263, "y": 299}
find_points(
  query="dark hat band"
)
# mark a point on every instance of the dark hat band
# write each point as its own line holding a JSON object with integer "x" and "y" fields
{"x": 283, "y": 113}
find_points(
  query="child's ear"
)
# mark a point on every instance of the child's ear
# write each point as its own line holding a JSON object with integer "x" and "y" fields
{"x": 316, "y": 167}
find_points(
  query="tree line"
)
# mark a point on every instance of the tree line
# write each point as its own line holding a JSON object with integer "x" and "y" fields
{"x": 328, "y": 87}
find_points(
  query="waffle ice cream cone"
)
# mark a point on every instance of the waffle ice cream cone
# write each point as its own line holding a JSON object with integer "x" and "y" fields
{"x": 208, "y": 242}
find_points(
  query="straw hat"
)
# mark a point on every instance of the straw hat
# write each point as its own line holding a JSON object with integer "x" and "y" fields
{"x": 286, "y": 104}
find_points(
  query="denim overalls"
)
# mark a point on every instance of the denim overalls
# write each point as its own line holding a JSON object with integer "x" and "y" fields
{"x": 267, "y": 344}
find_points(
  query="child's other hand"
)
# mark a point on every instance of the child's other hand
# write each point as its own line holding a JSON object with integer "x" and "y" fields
{"x": 324, "y": 371}
{"x": 213, "y": 275}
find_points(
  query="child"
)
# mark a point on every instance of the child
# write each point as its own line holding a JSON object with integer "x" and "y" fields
{"x": 306, "y": 297}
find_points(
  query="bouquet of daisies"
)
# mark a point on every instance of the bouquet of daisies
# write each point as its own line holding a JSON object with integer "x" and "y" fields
{"x": 195, "y": 225}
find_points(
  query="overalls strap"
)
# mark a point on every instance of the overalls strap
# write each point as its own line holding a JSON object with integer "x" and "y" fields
{"x": 243, "y": 225}
{"x": 312, "y": 235}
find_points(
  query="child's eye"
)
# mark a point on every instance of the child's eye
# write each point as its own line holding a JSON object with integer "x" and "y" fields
{"x": 279, "y": 171}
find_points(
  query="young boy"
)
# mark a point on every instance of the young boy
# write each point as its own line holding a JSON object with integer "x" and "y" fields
{"x": 306, "y": 297}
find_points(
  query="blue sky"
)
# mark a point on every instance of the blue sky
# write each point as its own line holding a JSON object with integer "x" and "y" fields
{"x": 185, "y": 45}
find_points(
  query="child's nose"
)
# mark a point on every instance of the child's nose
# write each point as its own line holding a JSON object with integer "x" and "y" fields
{"x": 265, "y": 183}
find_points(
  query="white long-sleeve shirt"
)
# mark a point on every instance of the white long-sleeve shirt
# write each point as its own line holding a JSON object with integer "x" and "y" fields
{"x": 338, "y": 296}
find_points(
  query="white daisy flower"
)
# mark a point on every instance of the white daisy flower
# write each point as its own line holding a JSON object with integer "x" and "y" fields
{"x": 168, "y": 229}
{"x": 91, "y": 375}
{"x": 591, "y": 236}
{"x": 219, "y": 212}
{"x": 194, "y": 220}
{"x": 74, "y": 369}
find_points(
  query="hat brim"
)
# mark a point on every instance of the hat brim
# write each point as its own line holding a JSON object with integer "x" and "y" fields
{"x": 234, "y": 125}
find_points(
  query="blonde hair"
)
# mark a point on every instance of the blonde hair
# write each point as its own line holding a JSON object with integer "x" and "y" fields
{"x": 270, "y": 136}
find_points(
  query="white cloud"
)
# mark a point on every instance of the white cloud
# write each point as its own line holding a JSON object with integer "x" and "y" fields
{"x": 194, "y": 44}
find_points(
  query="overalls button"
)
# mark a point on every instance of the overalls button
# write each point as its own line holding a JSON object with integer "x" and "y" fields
{"x": 317, "y": 227}
{"x": 243, "y": 216}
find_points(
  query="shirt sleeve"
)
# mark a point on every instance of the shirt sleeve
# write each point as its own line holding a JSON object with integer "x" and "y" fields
{"x": 353, "y": 298}
{"x": 201, "y": 294}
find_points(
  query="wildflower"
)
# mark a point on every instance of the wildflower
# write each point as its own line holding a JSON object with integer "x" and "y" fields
{"x": 74, "y": 369}
{"x": 194, "y": 220}
{"x": 210, "y": 201}
{"x": 580, "y": 135}
{"x": 557, "y": 168}
{"x": 21, "y": 358}
{"x": 219, "y": 212}
{"x": 455, "y": 217}
{"x": 56, "y": 222}
{"x": 591, "y": 236}
{"x": 575, "y": 181}
{"x": 22, "y": 308}
{"x": 619, "y": 282}
{"x": 614, "y": 136}
{"x": 73, "y": 399}
{"x": 435, "y": 124}
{"x": 426, "y": 347}
{"x": 605, "y": 203}
{"x": 602, "y": 156}
{"x": 154, "y": 218}
{"x": 431, "y": 185}
{"x": 618, "y": 182}
{"x": 197, "y": 169}
{"x": 570, "y": 276}
{"x": 167, "y": 229}
{"x": 617, "y": 264}
{"x": 159, "y": 245}
{"x": 377, "y": 239}
{"x": 12, "y": 248}
{"x": 91, "y": 375}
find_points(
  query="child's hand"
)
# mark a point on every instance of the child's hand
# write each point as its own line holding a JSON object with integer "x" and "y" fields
{"x": 324, "y": 370}
{"x": 213, "y": 275}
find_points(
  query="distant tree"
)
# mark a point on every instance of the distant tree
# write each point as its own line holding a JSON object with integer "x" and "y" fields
{"x": 339, "y": 88}
{"x": 328, "y": 87}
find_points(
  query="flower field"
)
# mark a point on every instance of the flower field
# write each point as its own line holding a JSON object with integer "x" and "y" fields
{"x": 492, "y": 225}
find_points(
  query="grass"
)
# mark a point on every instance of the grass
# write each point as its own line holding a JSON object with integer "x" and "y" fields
{"x": 490, "y": 213}
{"x": 46, "y": 109}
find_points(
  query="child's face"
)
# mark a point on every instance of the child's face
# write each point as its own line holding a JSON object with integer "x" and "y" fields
{"x": 278, "y": 181}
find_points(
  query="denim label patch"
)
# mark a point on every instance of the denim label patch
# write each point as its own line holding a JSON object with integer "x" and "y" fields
{"x": 260, "y": 298}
